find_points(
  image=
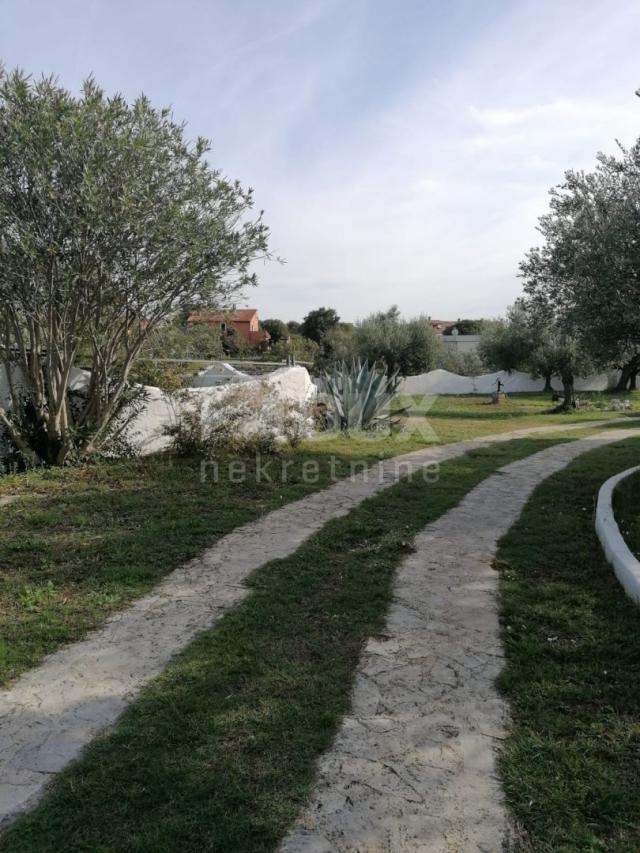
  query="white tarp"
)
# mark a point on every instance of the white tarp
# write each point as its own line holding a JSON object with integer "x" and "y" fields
{"x": 445, "y": 382}
{"x": 78, "y": 379}
{"x": 219, "y": 373}
{"x": 146, "y": 429}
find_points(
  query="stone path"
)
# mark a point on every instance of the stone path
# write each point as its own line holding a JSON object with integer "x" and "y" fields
{"x": 54, "y": 710}
{"x": 412, "y": 769}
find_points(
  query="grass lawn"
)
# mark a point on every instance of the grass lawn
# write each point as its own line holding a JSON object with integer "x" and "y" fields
{"x": 571, "y": 764}
{"x": 626, "y": 507}
{"x": 218, "y": 754}
{"x": 446, "y": 419}
{"x": 83, "y": 542}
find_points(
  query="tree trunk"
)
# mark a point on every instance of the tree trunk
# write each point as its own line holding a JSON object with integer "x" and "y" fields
{"x": 547, "y": 382}
{"x": 628, "y": 374}
{"x": 625, "y": 376}
{"x": 569, "y": 394}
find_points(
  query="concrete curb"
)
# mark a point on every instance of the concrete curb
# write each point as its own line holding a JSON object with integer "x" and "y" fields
{"x": 625, "y": 564}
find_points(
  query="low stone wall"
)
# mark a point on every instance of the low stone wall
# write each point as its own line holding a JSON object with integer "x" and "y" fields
{"x": 617, "y": 552}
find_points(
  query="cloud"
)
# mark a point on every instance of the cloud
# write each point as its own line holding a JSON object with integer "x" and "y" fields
{"x": 562, "y": 109}
{"x": 402, "y": 152}
{"x": 439, "y": 199}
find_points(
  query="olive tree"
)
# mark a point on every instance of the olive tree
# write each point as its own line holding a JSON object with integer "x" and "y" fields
{"x": 532, "y": 338}
{"x": 110, "y": 221}
{"x": 509, "y": 343}
{"x": 588, "y": 267}
{"x": 410, "y": 346}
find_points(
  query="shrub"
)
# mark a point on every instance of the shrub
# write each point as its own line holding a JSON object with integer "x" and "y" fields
{"x": 167, "y": 378}
{"x": 302, "y": 349}
{"x": 187, "y": 433}
{"x": 178, "y": 340}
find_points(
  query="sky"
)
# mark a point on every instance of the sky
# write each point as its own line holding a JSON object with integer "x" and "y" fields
{"x": 402, "y": 150}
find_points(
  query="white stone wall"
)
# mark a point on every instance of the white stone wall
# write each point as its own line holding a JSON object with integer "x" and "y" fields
{"x": 445, "y": 382}
{"x": 460, "y": 343}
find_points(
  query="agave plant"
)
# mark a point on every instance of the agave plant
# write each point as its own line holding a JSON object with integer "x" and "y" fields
{"x": 359, "y": 395}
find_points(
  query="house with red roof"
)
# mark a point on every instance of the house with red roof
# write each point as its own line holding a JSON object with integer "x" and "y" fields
{"x": 244, "y": 320}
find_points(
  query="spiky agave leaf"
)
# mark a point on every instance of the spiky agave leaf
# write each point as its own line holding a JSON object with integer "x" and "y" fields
{"x": 360, "y": 394}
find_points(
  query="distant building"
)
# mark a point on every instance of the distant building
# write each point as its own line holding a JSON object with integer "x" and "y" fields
{"x": 452, "y": 339}
{"x": 243, "y": 320}
{"x": 461, "y": 343}
{"x": 441, "y": 326}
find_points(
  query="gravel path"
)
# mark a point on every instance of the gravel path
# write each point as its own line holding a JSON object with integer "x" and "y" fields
{"x": 54, "y": 710}
{"x": 412, "y": 769}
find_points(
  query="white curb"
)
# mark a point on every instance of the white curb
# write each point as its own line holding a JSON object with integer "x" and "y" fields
{"x": 625, "y": 564}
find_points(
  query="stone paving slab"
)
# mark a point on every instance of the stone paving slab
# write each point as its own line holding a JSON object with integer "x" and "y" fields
{"x": 412, "y": 769}
{"x": 55, "y": 709}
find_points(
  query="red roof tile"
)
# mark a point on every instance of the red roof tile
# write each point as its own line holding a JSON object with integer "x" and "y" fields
{"x": 241, "y": 315}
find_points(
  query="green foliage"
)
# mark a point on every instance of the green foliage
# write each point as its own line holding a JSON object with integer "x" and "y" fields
{"x": 407, "y": 346}
{"x": 277, "y": 329}
{"x": 466, "y": 327}
{"x": 360, "y": 395}
{"x": 35, "y": 599}
{"x": 588, "y": 268}
{"x": 296, "y": 346}
{"x": 462, "y": 363}
{"x": 533, "y": 338}
{"x": 168, "y": 377}
{"x": 176, "y": 339}
{"x": 109, "y": 221}
{"x": 509, "y": 344}
{"x": 337, "y": 345}
{"x": 317, "y": 323}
